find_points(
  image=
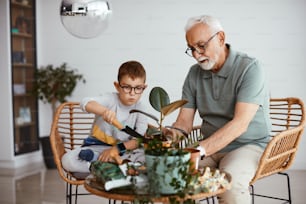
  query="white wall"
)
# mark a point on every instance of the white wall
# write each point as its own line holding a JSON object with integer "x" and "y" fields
{"x": 153, "y": 33}
{"x": 6, "y": 108}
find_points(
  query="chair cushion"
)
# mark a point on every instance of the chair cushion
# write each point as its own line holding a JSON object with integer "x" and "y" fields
{"x": 80, "y": 175}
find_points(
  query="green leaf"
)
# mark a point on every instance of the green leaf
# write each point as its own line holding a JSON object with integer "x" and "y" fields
{"x": 158, "y": 98}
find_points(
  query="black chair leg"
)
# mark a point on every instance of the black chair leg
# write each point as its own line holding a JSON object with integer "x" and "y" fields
{"x": 252, "y": 193}
{"x": 68, "y": 193}
{"x": 287, "y": 200}
{"x": 288, "y": 186}
{"x": 76, "y": 194}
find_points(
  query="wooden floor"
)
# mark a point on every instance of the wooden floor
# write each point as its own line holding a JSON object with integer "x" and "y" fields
{"x": 44, "y": 186}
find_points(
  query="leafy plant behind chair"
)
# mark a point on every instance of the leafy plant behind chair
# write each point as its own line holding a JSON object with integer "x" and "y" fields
{"x": 55, "y": 84}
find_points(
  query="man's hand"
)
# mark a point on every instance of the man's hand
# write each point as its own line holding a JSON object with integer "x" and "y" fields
{"x": 111, "y": 155}
{"x": 174, "y": 134}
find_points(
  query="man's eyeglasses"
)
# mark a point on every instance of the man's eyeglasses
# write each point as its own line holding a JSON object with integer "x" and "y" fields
{"x": 200, "y": 47}
{"x": 128, "y": 89}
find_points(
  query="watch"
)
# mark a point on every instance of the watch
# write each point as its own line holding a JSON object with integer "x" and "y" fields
{"x": 202, "y": 151}
{"x": 121, "y": 148}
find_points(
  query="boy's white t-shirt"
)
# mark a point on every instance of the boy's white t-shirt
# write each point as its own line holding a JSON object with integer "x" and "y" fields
{"x": 136, "y": 121}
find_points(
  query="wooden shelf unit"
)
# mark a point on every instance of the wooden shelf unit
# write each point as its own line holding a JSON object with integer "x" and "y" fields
{"x": 23, "y": 52}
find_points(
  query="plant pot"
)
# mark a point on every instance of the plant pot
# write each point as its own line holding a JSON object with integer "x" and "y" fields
{"x": 194, "y": 159}
{"x": 47, "y": 152}
{"x": 163, "y": 170}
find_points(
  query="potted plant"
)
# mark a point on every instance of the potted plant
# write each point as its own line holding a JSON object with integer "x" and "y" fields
{"x": 167, "y": 165}
{"x": 53, "y": 85}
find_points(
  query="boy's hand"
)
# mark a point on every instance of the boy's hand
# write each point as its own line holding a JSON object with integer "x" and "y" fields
{"x": 111, "y": 155}
{"x": 109, "y": 116}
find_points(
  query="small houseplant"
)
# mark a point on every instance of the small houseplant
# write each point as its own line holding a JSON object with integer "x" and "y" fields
{"x": 167, "y": 165}
{"x": 53, "y": 85}
{"x": 160, "y": 101}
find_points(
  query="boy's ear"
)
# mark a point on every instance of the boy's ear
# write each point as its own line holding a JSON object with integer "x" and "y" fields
{"x": 116, "y": 85}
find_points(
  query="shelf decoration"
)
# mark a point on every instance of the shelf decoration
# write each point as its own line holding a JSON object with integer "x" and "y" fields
{"x": 23, "y": 25}
{"x": 25, "y": 114}
{"x": 19, "y": 89}
{"x": 18, "y": 57}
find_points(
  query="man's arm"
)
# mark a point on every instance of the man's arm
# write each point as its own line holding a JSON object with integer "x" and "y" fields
{"x": 244, "y": 113}
{"x": 185, "y": 119}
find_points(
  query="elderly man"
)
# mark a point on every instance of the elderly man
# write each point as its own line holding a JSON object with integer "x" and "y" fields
{"x": 229, "y": 90}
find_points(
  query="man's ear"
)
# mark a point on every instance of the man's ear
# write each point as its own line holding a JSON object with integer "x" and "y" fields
{"x": 221, "y": 36}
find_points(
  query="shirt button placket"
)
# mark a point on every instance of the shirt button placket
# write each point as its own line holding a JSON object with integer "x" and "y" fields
{"x": 215, "y": 85}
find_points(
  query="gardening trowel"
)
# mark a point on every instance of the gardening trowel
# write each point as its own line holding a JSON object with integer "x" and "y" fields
{"x": 135, "y": 134}
{"x": 128, "y": 130}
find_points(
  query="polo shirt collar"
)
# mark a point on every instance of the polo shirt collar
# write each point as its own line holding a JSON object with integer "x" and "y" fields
{"x": 226, "y": 68}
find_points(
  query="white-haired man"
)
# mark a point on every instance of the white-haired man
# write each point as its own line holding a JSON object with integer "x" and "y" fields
{"x": 229, "y": 90}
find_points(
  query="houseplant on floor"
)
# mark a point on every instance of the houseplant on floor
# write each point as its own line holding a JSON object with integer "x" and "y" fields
{"x": 53, "y": 85}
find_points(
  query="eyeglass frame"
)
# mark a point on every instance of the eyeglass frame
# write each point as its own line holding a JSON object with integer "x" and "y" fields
{"x": 201, "y": 47}
{"x": 128, "y": 89}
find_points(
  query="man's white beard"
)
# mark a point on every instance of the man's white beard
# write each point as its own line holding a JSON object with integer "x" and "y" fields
{"x": 206, "y": 65}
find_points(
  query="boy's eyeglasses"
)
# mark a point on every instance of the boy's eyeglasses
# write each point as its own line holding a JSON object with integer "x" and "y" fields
{"x": 128, "y": 89}
{"x": 200, "y": 47}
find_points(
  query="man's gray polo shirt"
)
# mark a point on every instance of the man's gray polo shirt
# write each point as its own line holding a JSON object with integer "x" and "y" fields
{"x": 214, "y": 95}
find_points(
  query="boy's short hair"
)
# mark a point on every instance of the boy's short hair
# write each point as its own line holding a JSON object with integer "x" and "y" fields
{"x": 132, "y": 69}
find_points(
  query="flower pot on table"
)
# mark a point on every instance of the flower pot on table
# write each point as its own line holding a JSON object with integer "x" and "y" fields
{"x": 167, "y": 173}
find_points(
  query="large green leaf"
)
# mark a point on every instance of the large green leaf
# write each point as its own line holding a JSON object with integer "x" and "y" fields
{"x": 166, "y": 110}
{"x": 158, "y": 98}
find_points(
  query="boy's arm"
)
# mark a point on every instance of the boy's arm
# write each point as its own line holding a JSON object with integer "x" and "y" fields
{"x": 98, "y": 109}
{"x": 109, "y": 116}
{"x": 113, "y": 154}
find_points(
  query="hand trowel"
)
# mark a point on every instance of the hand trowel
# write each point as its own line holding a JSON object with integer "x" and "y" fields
{"x": 128, "y": 130}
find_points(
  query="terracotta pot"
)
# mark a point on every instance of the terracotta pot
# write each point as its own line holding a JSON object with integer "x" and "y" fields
{"x": 194, "y": 159}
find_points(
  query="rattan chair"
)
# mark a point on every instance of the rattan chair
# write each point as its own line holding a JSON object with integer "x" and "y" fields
{"x": 70, "y": 126}
{"x": 288, "y": 123}
{"x": 193, "y": 137}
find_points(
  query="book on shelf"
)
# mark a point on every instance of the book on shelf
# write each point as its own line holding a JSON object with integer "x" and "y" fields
{"x": 113, "y": 175}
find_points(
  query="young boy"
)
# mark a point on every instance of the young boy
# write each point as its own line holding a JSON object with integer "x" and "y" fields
{"x": 106, "y": 142}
